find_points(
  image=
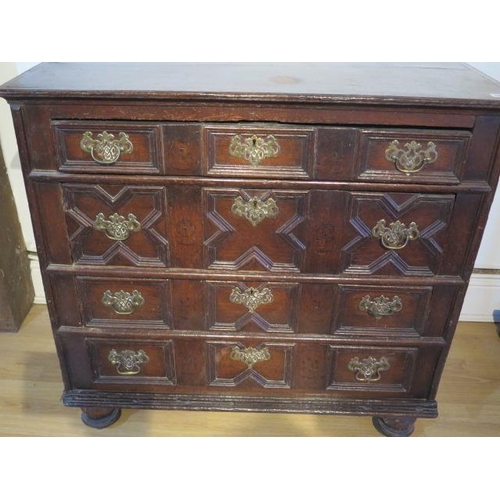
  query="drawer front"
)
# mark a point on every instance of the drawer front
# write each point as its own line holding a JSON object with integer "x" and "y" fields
{"x": 383, "y": 310}
{"x": 327, "y": 232}
{"x": 396, "y": 233}
{"x": 125, "y": 302}
{"x": 259, "y": 366}
{"x": 251, "y": 306}
{"x": 262, "y": 151}
{"x": 254, "y": 230}
{"x": 131, "y": 362}
{"x": 259, "y": 151}
{"x": 413, "y": 156}
{"x": 108, "y": 147}
{"x": 275, "y": 231}
{"x": 250, "y": 364}
{"x": 374, "y": 369}
{"x": 117, "y": 224}
{"x": 131, "y": 304}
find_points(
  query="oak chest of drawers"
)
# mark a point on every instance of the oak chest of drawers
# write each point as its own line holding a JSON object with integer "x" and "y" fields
{"x": 256, "y": 237}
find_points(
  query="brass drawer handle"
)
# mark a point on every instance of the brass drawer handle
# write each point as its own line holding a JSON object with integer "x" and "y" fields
{"x": 381, "y": 306}
{"x": 252, "y": 298}
{"x": 250, "y": 355}
{"x": 255, "y": 209}
{"x": 123, "y": 302}
{"x": 412, "y": 158}
{"x": 128, "y": 362}
{"x": 368, "y": 369}
{"x": 254, "y": 149}
{"x": 106, "y": 149}
{"x": 116, "y": 226}
{"x": 397, "y": 235}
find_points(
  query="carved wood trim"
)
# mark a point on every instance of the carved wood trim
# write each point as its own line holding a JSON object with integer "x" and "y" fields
{"x": 214, "y": 357}
{"x": 256, "y": 253}
{"x": 114, "y": 202}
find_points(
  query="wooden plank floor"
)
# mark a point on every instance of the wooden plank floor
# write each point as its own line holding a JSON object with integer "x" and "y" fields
{"x": 468, "y": 399}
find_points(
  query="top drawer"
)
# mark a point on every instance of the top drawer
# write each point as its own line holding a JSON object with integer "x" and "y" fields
{"x": 262, "y": 151}
{"x": 108, "y": 147}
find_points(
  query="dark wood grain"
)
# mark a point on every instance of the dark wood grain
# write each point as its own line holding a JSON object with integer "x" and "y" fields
{"x": 316, "y": 255}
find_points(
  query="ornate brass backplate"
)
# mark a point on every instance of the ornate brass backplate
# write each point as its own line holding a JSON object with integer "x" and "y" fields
{"x": 254, "y": 210}
{"x": 106, "y": 149}
{"x": 412, "y": 158}
{"x": 128, "y": 362}
{"x": 254, "y": 149}
{"x": 368, "y": 369}
{"x": 123, "y": 302}
{"x": 117, "y": 227}
{"x": 397, "y": 235}
{"x": 250, "y": 355}
{"x": 252, "y": 298}
{"x": 381, "y": 306}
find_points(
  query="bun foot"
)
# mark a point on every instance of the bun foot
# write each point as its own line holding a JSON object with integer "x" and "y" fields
{"x": 394, "y": 427}
{"x": 99, "y": 418}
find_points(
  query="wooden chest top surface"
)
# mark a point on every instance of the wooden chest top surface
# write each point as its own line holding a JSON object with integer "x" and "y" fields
{"x": 396, "y": 83}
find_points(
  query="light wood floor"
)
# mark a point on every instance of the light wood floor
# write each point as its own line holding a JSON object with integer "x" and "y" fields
{"x": 468, "y": 398}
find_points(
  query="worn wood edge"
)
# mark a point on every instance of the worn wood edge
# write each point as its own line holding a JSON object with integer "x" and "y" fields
{"x": 400, "y": 407}
{"x": 333, "y": 339}
{"x": 211, "y": 275}
{"x": 167, "y": 180}
{"x": 27, "y": 94}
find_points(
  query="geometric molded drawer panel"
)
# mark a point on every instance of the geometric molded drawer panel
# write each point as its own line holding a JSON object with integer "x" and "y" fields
{"x": 117, "y": 224}
{"x": 127, "y": 362}
{"x": 254, "y": 230}
{"x": 125, "y": 303}
{"x": 251, "y": 306}
{"x": 373, "y": 369}
{"x": 372, "y": 310}
{"x": 396, "y": 233}
{"x": 234, "y": 364}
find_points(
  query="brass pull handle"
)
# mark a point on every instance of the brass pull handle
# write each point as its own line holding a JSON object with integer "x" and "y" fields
{"x": 116, "y": 226}
{"x": 368, "y": 369}
{"x": 128, "y": 362}
{"x": 412, "y": 158}
{"x": 255, "y": 209}
{"x": 123, "y": 302}
{"x": 106, "y": 149}
{"x": 251, "y": 298}
{"x": 381, "y": 306}
{"x": 397, "y": 235}
{"x": 254, "y": 149}
{"x": 250, "y": 355}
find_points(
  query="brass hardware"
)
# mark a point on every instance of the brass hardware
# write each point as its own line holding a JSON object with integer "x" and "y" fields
{"x": 106, "y": 149}
{"x": 250, "y": 355}
{"x": 254, "y": 149}
{"x": 412, "y": 158}
{"x": 255, "y": 209}
{"x": 368, "y": 369}
{"x": 128, "y": 362}
{"x": 122, "y": 302}
{"x": 117, "y": 227}
{"x": 381, "y": 306}
{"x": 397, "y": 235}
{"x": 251, "y": 297}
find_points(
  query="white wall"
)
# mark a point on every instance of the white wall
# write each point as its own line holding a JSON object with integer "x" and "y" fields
{"x": 484, "y": 290}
